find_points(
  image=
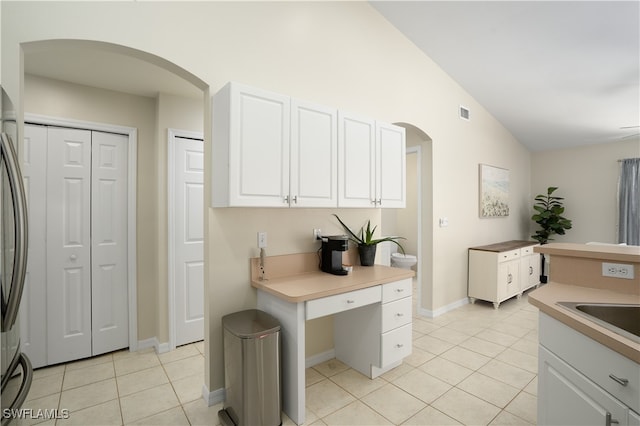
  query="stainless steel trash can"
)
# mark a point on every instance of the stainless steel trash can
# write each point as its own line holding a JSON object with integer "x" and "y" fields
{"x": 252, "y": 374}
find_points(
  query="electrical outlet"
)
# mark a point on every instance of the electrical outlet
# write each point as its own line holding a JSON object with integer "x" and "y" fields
{"x": 317, "y": 234}
{"x": 617, "y": 270}
{"x": 262, "y": 239}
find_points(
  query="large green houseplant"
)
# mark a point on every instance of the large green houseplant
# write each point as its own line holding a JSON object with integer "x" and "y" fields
{"x": 366, "y": 243}
{"x": 549, "y": 209}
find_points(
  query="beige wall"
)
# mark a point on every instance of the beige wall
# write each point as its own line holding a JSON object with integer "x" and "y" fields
{"x": 342, "y": 54}
{"x": 587, "y": 177}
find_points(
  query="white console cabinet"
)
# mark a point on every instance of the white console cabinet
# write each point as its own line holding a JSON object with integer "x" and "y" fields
{"x": 577, "y": 380}
{"x": 500, "y": 271}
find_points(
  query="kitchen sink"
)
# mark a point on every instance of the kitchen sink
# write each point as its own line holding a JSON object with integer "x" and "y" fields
{"x": 623, "y": 319}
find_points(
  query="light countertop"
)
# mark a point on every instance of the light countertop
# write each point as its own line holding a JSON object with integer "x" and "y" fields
{"x": 576, "y": 276}
{"x": 316, "y": 284}
{"x": 546, "y": 297}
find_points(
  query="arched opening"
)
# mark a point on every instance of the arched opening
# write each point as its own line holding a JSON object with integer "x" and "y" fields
{"x": 99, "y": 82}
{"x": 415, "y": 221}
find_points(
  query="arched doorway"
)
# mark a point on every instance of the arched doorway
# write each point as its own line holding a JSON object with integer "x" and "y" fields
{"x": 114, "y": 71}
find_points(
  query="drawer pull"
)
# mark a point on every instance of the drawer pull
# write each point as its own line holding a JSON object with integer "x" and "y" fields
{"x": 399, "y": 314}
{"x": 609, "y": 421}
{"x": 623, "y": 382}
{"x": 399, "y": 290}
{"x": 399, "y": 345}
{"x": 351, "y": 301}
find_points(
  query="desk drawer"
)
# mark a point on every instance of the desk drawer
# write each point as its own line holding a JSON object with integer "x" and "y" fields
{"x": 396, "y": 314}
{"x": 396, "y": 290}
{"x": 395, "y": 345}
{"x": 341, "y": 302}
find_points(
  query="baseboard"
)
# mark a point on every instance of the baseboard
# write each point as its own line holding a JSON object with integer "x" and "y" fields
{"x": 443, "y": 310}
{"x": 212, "y": 398}
{"x": 153, "y": 342}
{"x": 320, "y": 358}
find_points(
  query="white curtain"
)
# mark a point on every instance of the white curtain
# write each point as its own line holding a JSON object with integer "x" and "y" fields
{"x": 629, "y": 202}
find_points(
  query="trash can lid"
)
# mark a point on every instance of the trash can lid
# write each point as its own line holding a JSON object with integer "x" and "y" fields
{"x": 251, "y": 323}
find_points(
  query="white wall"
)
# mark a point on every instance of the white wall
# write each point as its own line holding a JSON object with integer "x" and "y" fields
{"x": 587, "y": 177}
{"x": 335, "y": 53}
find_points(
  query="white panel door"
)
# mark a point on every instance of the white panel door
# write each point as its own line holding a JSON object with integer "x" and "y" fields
{"x": 314, "y": 149}
{"x": 33, "y": 308}
{"x": 356, "y": 161}
{"x": 189, "y": 235}
{"x": 391, "y": 167}
{"x": 68, "y": 244}
{"x": 109, "y": 300}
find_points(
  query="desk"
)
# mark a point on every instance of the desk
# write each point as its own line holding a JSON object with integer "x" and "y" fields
{"x": 372, "y": 303}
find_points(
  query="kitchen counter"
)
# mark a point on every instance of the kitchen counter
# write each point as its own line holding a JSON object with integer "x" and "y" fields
{"x": 546, "y": 297}
{"x": 576, "y": 276}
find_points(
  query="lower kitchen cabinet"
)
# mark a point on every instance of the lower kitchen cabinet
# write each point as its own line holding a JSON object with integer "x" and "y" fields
{"x": 574, "y": 380}
{"x": 500, "y": 271}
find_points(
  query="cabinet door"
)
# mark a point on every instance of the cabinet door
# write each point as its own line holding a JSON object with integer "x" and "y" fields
{"x": 508, "y": 279}
{"x": 391, "y": 165}
{"x": 258, "y": 157}
{"x": 566, "y": 397}
{"x": 68, "y": 244}
{"x": 313, "y": 155}
{"x": 530, "y": 271}
{"x": 356, "y": 161}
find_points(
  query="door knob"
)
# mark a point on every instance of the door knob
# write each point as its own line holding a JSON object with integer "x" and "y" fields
{"x": 73, "y": 257}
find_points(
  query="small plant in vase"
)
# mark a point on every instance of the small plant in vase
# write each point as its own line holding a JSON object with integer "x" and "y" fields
{"x": 366, "y": 243}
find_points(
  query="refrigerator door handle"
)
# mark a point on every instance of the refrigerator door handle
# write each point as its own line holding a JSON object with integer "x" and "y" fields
{"x": 27, "y": 373}
{"x": 8, "y": 152}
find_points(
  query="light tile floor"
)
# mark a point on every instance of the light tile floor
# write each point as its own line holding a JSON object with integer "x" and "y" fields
{"x": 474, "y": 366}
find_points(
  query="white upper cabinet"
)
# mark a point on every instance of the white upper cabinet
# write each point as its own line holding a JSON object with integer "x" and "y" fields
{"x": 250, "y": 152}
{"x": 391, "y": 165}
{"x": 270, "y": 150}
{"x": 371, "y": 163}
{"x": 314, "y": 149}
{"x": 356, "y": 161}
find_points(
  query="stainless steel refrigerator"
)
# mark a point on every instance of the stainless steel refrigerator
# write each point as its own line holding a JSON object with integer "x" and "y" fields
{"x": 16, "y": 368}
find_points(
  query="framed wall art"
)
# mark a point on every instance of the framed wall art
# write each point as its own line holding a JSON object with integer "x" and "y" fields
{"x": 494, "y": 191}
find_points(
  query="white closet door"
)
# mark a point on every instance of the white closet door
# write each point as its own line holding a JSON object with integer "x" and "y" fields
{"x": 68, "y": 244}
{"x": 189, "y": 235}
{"x": 33, "y": 308}
{"x": 109, "y": 301}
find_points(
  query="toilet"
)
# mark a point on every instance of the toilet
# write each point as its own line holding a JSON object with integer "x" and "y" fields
{"x": 404, "y": 261}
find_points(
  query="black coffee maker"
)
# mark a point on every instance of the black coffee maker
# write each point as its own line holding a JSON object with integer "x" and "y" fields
{"x": 332, "y": 248}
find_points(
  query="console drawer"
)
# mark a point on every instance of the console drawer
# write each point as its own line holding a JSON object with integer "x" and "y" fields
{"x": 341, "y": 302}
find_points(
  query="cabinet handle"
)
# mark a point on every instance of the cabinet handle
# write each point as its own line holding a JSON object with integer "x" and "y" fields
{"x": 351, "y": 301}
{"x": 399, "y": 314}
{"x": 623, "y": 382}
{"x": 399, "y": 345}
{"x": 380, "y": 202}
{"x": 374, "y": 202}
{"x": 73, "y": 257}
{"x": 286, "y": 199}
{"x": 530, "y": 270}
{"x": 295, "y": 199}
{"x": 509, "y": 278}
{"x": 610, "y": 421}
{"x": 399, "y": 290}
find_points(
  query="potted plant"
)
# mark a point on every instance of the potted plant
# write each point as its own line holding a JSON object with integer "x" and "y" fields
{"x": 366, "y": 243}
{"x": 548, "y": 215}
